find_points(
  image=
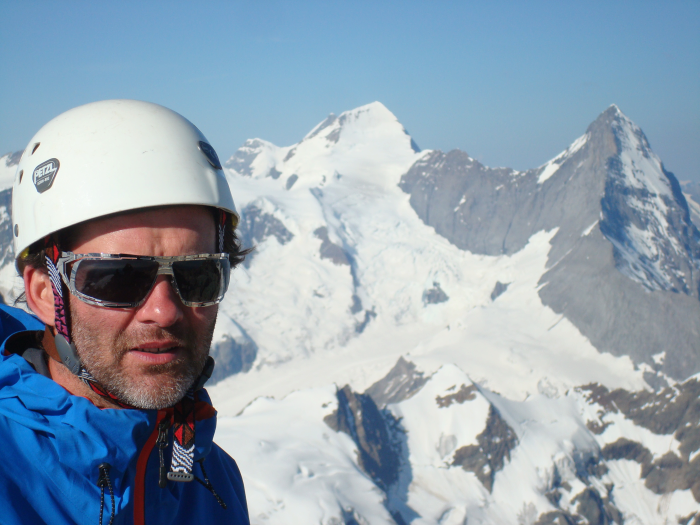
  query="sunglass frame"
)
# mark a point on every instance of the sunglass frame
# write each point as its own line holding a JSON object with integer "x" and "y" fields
{"x": 165, "y": 267}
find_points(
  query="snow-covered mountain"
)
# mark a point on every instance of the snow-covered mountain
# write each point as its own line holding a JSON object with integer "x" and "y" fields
{"x": 624, "y": 247}
{"x": 418, "y": 338}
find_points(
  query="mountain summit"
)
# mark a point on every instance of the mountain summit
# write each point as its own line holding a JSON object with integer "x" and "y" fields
{"x": 625, "y": 250}
{"x": 370, "y": 133}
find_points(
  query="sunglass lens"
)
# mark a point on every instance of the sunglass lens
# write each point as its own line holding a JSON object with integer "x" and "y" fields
{"x": 202, "y": 281}
{"x": 121, "y": 281}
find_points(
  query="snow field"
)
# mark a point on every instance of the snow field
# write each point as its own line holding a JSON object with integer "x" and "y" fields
{"x": 296, "y": 469}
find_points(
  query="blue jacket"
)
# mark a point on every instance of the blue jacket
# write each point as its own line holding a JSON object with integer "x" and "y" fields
{"x": 52, "y": 443}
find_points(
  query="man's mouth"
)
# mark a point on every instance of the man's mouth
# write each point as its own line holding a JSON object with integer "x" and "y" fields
{"x": 157, "y": 350}
{"x": 156, "y": 353}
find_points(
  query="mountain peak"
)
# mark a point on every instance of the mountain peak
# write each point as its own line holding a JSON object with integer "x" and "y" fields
{"x": 368, "y": 141}
{"x": 373, "y": 107}
{"x": 372, "y": 114}
{"x": 612, "y": 114}
{"x": 369, "y": 115}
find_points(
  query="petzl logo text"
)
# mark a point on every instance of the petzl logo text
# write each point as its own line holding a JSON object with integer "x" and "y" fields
{"x": 44, "y": 175}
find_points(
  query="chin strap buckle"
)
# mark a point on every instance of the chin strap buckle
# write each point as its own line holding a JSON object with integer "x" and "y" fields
{"x": 68, "y": 354}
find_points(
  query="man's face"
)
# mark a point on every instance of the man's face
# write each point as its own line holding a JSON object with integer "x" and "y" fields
{"x": 151, "y": 355}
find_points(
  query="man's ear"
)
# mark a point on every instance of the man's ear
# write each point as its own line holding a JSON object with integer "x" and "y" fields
{"x": 39, "y": 293}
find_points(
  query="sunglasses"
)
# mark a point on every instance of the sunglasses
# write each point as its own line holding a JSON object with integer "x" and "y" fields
{"x": 124, "y": 281}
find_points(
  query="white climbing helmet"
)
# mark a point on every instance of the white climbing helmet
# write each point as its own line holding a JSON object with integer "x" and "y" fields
{"x": 108, "y": 157}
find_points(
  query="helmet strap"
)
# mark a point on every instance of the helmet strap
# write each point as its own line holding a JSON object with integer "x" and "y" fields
{"x": 65, "y": 349}
{"x": 61, "y": 313}
{"x": 223, "y": 219}
{"x": 62, "y": 340}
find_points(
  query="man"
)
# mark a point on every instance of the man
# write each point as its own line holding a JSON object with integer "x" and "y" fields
{"x": 124, "y": 232}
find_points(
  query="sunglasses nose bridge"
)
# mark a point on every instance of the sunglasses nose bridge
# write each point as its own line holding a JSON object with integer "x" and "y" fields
{"x": 165, "y": 268}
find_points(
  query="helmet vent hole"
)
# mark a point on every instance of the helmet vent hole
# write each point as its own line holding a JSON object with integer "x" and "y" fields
{"x": 21, "y": 174}
{"x": 16, "y": 230}
{"x": 36, "y": 147}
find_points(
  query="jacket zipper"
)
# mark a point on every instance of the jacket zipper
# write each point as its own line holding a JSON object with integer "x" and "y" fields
{"x": 142, "y": 463}
{"x": 162, "y": 442}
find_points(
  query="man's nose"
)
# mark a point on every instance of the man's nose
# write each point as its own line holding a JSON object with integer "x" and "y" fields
{"x": 162, "y": 306}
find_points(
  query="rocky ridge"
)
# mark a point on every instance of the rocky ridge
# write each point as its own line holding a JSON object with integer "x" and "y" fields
{"x": 625, "y": 244}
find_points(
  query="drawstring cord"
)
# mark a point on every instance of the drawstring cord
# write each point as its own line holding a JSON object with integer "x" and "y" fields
{"x": 208, "y": 484}
{"x": 162, "y": 443}
{"x": 101, "y": 482}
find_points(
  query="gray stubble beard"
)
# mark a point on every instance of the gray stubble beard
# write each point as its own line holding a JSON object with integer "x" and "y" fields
{"x": 183, "y": 372}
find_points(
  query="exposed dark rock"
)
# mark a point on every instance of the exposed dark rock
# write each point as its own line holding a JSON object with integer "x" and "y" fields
{"x": 275, "y": 174}
{"x": 257, "y": 225}
{"x": 329, "y": 250}
{"x": 595, "y": 509}
{"x": 330, "y": 119}
{"x": 398, "y": 518}
{"x": 291, "y": 180}
{"x": 402, "y": 382}
{"x": 369, "y": 315}
{"x": 674, "y": 410}
{"x": 232, "y": 357}
{"x": 597, "y": 427}
{"x": 381, "y": 444}
{"x": 624, "y": 448}
{"x": 587, "y": 465}
{"x": 465, "y": 393}
{"x": 356, "y": 306}
{"x": 451, "y": 192}
{"x": 492, "y": 451}
{"x": 591, "y": 507}
{"x": 664, "y": 412}
{"x": 434, "y": 295}
{"x": 670, "y": 473}
{"x": 334, "y": 135}
{"x": 371, "y": 430}
{"x": 692, "y": 519}
{"x": 498, "y": 289}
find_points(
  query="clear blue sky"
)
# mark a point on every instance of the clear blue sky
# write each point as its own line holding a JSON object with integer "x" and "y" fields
{"x": 511, "y": 83}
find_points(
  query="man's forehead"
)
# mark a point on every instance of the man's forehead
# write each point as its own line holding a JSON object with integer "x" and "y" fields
{"x": 142, "y": 224}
